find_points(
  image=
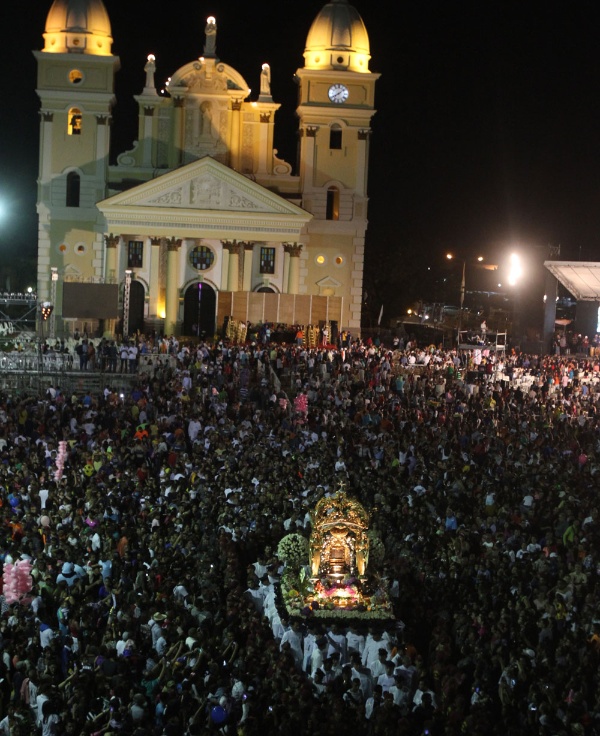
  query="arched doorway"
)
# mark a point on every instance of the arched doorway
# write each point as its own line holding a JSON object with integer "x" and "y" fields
{"x": 265, "y": 290}
{"x": 199, "y": 306}
{"x": 137, "y": 295}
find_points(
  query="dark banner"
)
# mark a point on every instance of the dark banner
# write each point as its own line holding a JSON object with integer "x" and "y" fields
{"x": 90, "y": 301}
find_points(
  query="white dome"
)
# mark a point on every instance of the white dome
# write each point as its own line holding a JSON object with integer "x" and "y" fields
{"x": 338, "y": 39}
{"x": 78, "y": 27}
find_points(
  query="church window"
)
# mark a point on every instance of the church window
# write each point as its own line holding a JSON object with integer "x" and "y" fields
{"x": 135, "y": 254}
{"x": 73, "y": 189}
{"x": 74, "y": 126}
{"x": 201, "y": 258}
{"x": 267, "y": 260}
{"x": 75, "y": 76}
{"x": 335, "y": 138}
{"x": 333, "y": 204}
{"x": 320, "y": 260}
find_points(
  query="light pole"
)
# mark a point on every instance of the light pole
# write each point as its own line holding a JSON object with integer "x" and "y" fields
{"x": 126, "y": 300}
{"x": 515, "y": 273}
{"x": 463, "y": 287}
{"x": 54, "y": 282}
{"x": 200, "y": 279}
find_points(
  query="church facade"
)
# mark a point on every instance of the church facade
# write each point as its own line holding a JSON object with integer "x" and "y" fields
{"x": 201, "y": 221}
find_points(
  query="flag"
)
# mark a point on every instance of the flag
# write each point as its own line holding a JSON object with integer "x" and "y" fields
{"x": 380, "y": 315}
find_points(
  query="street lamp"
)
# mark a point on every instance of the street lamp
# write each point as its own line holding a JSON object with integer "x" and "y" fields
{"x": 450, "y": 257}
{"x": 463, "y": 284}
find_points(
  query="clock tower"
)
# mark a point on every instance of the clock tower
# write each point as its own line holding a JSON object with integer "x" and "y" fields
{"x": 75, "y": 85}
{"x": 336, "y": 104}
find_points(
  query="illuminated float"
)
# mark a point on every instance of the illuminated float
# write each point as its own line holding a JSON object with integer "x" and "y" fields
{"x": 332, "y": 580}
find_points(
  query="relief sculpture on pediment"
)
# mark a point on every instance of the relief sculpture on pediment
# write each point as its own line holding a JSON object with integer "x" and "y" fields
{"x": 206, "y": 192}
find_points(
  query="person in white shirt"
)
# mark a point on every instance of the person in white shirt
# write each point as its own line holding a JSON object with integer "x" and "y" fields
{"x": 374, "y": 702}
{"x": 363, "y": 674}
{"x": 400, "y": 693}
{"x": 373, "y": 644}
{"x": 46, "y": 635}
{"x": 121, "y": 644}
{"x": 420, "y": 691}
{"x": 406, "y": 671}
{"x": 310, "y": 643}
{"x": 355, "y": 641}
{"x": 337, "y": 643}
{"x": 387, "y": 679}
{"x": 293, "y": 638}
{"x": 378, "y": 666}
{"x": 318, "y": 656}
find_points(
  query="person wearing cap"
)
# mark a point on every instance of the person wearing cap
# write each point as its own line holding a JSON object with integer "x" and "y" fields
{"x": 67, "y": 574}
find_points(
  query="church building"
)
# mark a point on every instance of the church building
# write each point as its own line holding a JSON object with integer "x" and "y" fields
{"x": 201, "y": 222}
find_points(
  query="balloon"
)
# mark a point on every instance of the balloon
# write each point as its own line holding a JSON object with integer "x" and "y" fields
{"x": 218, "y": 714}
{"x": 14, "y": 501}
{"x": 45, "y": 521}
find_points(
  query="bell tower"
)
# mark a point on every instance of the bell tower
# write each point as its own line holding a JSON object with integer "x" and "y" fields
{"x": 75, "y": 84}
{"x": 336, "y": 104}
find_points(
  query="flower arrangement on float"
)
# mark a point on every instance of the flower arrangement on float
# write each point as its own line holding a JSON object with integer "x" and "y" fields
{"x": 293, "y": 550}
{"x": 350, "y": 598}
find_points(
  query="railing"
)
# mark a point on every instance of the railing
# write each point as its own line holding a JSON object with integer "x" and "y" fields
{"x": 27, "y": 361}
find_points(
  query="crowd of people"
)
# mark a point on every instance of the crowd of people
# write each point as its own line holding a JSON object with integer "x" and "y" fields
{"x": 154, "y": 550}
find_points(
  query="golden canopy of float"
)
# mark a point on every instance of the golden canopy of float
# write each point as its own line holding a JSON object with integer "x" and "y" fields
{"x": 339, "y": 546}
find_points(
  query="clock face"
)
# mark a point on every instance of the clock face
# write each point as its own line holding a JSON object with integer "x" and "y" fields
{"x": 338, "y": 93}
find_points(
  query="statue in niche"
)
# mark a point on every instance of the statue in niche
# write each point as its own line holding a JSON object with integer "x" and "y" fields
{"x": 206, "y": 126}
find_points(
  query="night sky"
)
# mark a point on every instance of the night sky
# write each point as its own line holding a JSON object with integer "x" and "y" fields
{"x": 486, "y": 136}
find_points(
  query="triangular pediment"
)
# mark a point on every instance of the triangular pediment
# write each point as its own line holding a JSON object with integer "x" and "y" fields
{"x": 204, "y": 185}
{"x": 329, "y": 282}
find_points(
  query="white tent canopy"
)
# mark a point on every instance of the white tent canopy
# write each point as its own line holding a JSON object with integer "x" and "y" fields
{"x": 580, "y": 278}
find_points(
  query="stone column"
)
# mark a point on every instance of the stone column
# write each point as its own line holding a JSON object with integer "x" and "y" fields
{"x": 294, "y": 249}
{"x": 286, "y": 269}
{"x": 172, "y": 295}
{"x": 102, "y": 143}
{"x": 248, "y": 256}
{"x": 310, "y": 133}
{"x": 147, "y": 140}
{"x": 361, "y": 162}
{"x": 236, "y": 107}
{"x": 176, "y": 150}
{"x": 224, "y": 265}
{"x": 154, "y": 281}
{"x": 110, "y": 274}
{"x": 233, "y": 275}
{"x": 45, "y": 146}
{"x": 265, "y": 163}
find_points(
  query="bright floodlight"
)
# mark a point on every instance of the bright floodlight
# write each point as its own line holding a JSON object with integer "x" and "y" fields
{"x": 515, "y": 270}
